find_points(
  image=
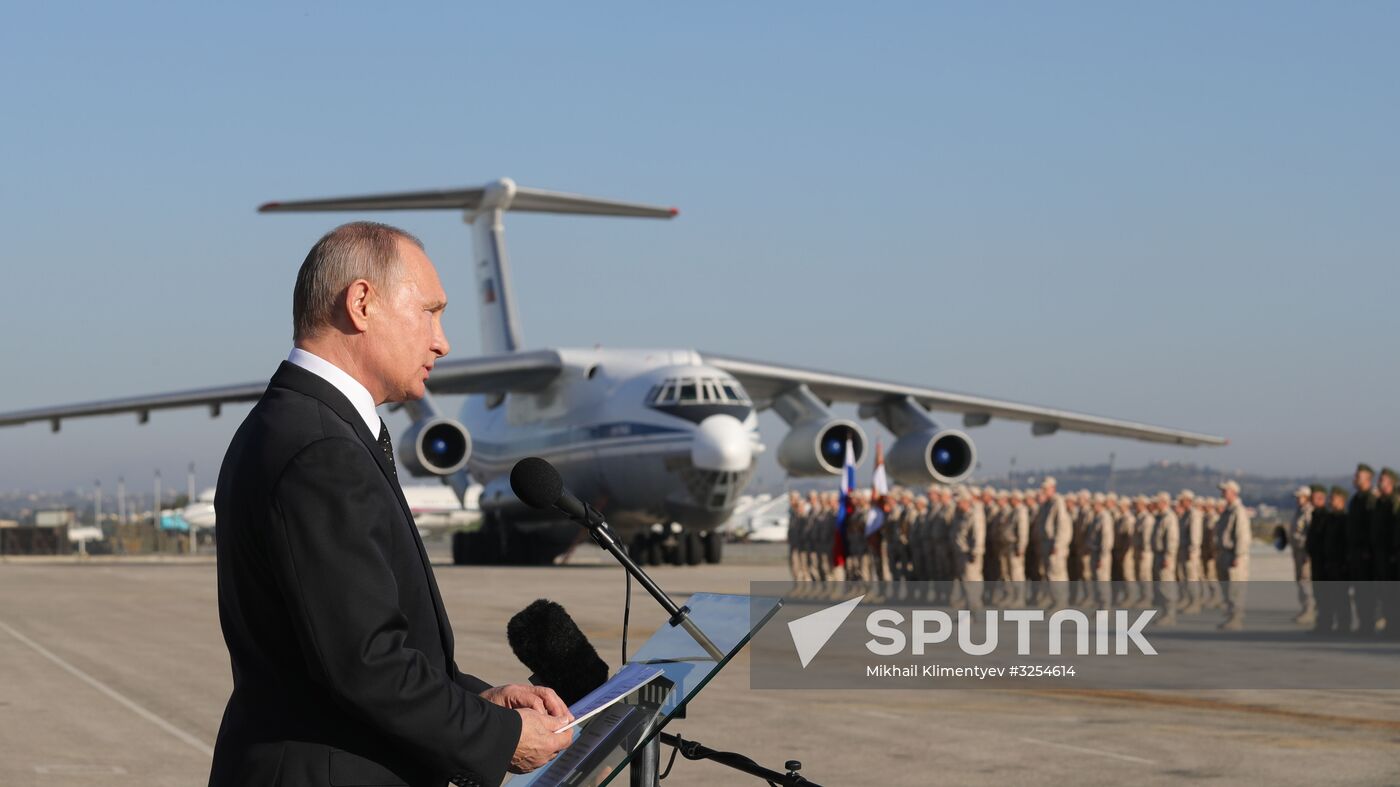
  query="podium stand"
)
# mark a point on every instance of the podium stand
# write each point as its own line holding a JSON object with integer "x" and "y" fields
{"x": 605, "y": 745}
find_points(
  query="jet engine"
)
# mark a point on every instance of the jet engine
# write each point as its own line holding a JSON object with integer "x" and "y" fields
{"x": 818, "y": 447}
{"x": 434, "y": 446}
{"x": 943, "y": 455}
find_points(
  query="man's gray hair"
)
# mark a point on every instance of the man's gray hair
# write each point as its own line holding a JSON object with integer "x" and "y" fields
{"x": 358, "y": 250}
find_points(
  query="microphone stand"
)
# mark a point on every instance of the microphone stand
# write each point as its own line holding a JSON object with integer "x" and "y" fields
{"x": 543, "y": 489}
{"x": 694, "y": 750}
{"x": 646, "y": 761}
{"x": 680, "y": 616}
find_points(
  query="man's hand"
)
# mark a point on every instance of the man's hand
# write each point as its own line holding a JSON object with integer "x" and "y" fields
{"x": 537, "y": 698}
{"x": 539, "y": 742}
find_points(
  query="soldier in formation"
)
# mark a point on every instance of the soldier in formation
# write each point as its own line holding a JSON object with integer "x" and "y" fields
{"x": 1352, "y": 547}
{"x": 1183, "y": 555}
{"x": 1297, "y": 542}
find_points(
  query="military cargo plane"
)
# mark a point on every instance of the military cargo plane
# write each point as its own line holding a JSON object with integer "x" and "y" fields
{"x": 649, "y": 436}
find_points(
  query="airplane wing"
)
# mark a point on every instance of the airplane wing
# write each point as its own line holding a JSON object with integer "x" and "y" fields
{"x": 502, "y": 373}
{"x": 765, "y": 381}
{"x": 213, "y": 398}
{"x": 527, "y": 371}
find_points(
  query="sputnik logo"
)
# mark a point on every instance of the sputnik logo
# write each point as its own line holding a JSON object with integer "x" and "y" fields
{"x": 810, "y": 633}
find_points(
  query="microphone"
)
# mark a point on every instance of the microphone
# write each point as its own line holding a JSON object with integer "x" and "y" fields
{"x": 547, "y": 640}
{"x": 538, "y": 485}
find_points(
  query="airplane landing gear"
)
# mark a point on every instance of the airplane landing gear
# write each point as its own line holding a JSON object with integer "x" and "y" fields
{"x": 692, "y": 549}
{"x": 494, "y": 543}
{"x": 498, "y": 542}
{"x": 481, "y": 547}
{"x": 639, "y": 549}
{"x": 713, "y": 545}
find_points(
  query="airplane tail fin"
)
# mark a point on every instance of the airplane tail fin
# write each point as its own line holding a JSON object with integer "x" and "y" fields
{"x": 485, "y": 208}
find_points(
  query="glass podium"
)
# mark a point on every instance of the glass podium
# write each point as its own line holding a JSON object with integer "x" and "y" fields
{"x": 605, "y": 744}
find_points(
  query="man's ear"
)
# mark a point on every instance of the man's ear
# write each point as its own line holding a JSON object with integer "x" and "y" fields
{"x": 359, "y": 299}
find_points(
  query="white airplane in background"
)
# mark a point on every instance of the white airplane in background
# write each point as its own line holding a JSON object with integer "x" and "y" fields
{"x": 433, "y": 507}
{"x": 199, "y": 513}
{"x": 646, "y": 436}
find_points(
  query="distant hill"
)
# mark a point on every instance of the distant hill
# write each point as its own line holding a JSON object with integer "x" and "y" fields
{"x": 1153, "y": 478}
{"x": 1173, "y": 477}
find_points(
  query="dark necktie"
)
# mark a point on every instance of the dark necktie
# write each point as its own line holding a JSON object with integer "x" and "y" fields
{"x": 387, "y": 445}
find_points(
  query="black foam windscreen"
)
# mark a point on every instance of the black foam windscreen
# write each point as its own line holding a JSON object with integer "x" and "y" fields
{"x": 547, "y": 640}
{"x": 536, "y": 482}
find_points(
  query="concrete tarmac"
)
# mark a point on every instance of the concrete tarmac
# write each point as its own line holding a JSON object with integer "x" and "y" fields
{"x": 115, "y": 673}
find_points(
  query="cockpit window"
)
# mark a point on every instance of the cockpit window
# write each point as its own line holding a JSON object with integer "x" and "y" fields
{"x": 703, "y": 390}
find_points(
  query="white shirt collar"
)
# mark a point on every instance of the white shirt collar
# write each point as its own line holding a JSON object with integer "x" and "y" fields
{"x": 358, "y": 395}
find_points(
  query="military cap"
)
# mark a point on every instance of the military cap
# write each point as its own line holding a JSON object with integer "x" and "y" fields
{"x": 1187, "y": 494}
{"x": 1098, "y": 497}
{"x": 1017, "y": 494}
{"x": 1230, "y": 486}
{"x": 1315, "y": 488}
{"x": 1365, "y": 468}
{"x": 1112, "y": 497}
{"x": 1049, "y": 481}
{"x": 1386, "y": 472}
{"x": 1163, "y": 497}
{"x": 1302, "y": 491}
{"x": 1337, "y": 490}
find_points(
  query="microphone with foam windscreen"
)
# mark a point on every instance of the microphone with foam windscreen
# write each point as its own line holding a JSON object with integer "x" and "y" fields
{"x": 538, "y": 485}
{"x": 549, "y": 642}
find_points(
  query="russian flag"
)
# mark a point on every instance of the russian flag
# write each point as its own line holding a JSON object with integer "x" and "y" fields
{"x": 879, "y": 497}
{"x": 843, "y": 509}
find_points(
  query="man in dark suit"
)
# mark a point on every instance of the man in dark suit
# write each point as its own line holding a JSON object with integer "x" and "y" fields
{"x": 343, "y": 669}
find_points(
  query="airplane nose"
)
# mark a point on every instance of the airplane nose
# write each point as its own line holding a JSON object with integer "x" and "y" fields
{"x": 722, "y": 443}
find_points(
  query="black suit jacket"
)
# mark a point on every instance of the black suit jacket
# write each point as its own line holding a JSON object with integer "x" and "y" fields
{"x": 343, "y": 670}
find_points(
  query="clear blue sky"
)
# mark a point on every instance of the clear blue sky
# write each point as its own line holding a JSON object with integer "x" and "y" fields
{"x": 1184, "y": 214}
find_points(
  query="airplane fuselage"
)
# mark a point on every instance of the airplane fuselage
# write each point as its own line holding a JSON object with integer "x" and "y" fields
{"x": 645, "y": 436}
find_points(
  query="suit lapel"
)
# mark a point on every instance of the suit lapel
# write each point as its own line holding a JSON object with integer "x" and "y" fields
{"x": 289, "y": 375}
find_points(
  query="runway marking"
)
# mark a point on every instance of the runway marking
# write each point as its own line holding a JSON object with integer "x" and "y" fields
{"x": 1204, "y": 703}
{"x": 1086, "y": 750}
{"x": 882, "y": 715}
{"x": 80, "y": 770}
{"x": 121, "y": 699}
{"x": 1080, "y": 749}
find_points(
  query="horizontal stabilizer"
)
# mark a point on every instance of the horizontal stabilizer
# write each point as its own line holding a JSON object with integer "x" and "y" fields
{"x": 501, "y": 195}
